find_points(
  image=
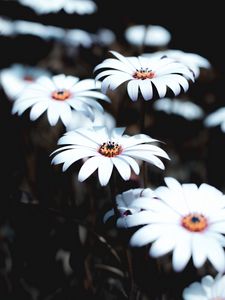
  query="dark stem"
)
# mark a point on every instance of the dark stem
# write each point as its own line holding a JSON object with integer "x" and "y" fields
{"x": 143, "y": 110}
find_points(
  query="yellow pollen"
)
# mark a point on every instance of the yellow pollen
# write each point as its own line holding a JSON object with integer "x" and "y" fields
{"x": 110, "y": 149}
{"x": 194, "y": 222}
{"x": 61, "y": 95}
{"x": 143, "y": 74}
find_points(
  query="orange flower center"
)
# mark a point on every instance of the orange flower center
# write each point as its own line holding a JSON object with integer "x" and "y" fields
{"x": 143, "y": 74}
{"x": 28, "y": 78}
{"x": 194, "y": 222}
{"x": 110, "y": 149}
{"x": 61, "y": 95}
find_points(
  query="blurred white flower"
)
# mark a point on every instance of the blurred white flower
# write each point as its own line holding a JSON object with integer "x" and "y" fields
{"x": 80, "y": 7}
{"x": 107, "y": 149}
{"x": 185, "y": 219}
{"x": 18, "y": 76}
{"x": 185, "y": 109}
{"x": 100, "y": 119}
{"x": 6, "y": 27}
{"x": 208, "y": 289}
{"x": 126, "y": 204}
{"x": 192, "y": 60}
{"x": 216, "y": 118}
{"x": 43, "y": 31}
{"x": 58, "y": 96}
{"x": 149, "y": 35}
{"x": 104, "y": 37}
{"x": 141, "y": 74}
{"x": 77, "y": 37}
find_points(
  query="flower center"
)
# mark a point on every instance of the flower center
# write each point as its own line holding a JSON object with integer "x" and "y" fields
{"x": 143, "y": 74}
{"x": 61, "y": 95}
{"x": 110, "y": 149}
{"x": 194, "y": 222}
{"x": 28, "y": 78}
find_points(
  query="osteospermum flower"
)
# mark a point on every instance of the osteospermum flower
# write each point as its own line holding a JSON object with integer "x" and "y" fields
{"x": 208, "y": 289}
{"x": 100, "y": 119}
{"x": 69, "y": 6}
{"x": 104, "y": 150}
{"x": 216, "y": 118}
{"x": 185, "y": 219}
{"x": 193, "y": 61}
{"x": 141, "y": 74}
{"x": 150, "y": 35}
{"x": 125, "y": 204}
{"x": 59, "y": 96}
{"x": 185, "y": 109}
{"x": 18, "y": 76}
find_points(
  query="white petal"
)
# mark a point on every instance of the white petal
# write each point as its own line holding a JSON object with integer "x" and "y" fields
{"x": 160, "y": 86}
{"x": 65, "y": 113}
{"x": 134, "y": 165}
{"x": 148, "y": 157}
{"x": 146, "y": 89}
{"x": 38, "y": 110}
{"x": 182, "y": 252}
{"x": 216, "y": 254}
{"x": 122, "y": 166}
{"x": 53, "y": 115}
{"x": 164, "y": 244}
{"x": 199, "y": 254}
{"x": 88, "y": 168}
{"x": 146, "y": 235}
{"x": 132, "y": 89}
{"x": 86, "y": 84}
{"x": 105, "y": 170}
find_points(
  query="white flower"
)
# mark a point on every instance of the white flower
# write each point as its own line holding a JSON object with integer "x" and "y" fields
{"x": 185, "y": 109}
{"x": 150, "y": 35}
{"x": 59, "y": 96}
{"x": 142, "y": 74}
{"x": 125, "y": 203}
{"x": 105, "y": 150}
{"x": 17, "y": 77}
{"x": 69, "y": 6}
{"x": 192, "y": 60}
{"x": 100, "y": 119}
{"x": 105, "y": 37}
{"x": 216, "y": 118}
{"x": 43, "y": 31}
{"x": 77, "y": 37}
{"x": 185, "y": 219}
{"x": 208, "y": 289}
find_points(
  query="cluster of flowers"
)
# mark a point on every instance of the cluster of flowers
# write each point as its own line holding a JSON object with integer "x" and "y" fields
{"x": 183, "y": 219}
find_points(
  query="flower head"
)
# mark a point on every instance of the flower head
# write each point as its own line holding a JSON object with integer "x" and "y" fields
{"x": 208, "y": 289}
{"x": 185, "y": 109}
{"x": 192, "y": 60}
{"x": 59, "y": 96}
{"x": 105, "y": 150}
{"x": 185, "y": 219}
{"x": 17, "y": 77}
{"x": 216, "y": 118}
{"x": 141, "y": 74}
{"x": 80, "y": 7}
{"x": 126, "y": 204}
{"x": 150, "y": 35}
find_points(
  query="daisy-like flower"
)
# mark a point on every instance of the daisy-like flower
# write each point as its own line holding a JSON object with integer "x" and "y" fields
{"x": 185, "y": 109}
{"x": 17, "y": 77}
{"x": 150, "y": 35}
{"x": 208, "y": 289}
{"x": 43, "y": 31}
{"x": 125, "y": 203}
{"x": 80, "y": 7}
{"x": 141, "y": 74}
{"x": 100, "y": 119}
{"x": 58, "y": 96}
{"x": 103, "y": 150}
{"x": 192, "y": 60}
{"x": 216, "y": 118}
{"x": 77, "y": 37}
{"x": 185, "y": 219}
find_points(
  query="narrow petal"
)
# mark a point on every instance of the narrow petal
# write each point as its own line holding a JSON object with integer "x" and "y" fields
{"x": 146, "y": 235}
{"x": 146, "y": 89}
{"x": 132, "y": 89}
{"x": 182, "y": 252}
{"x": 88, "y": 168}
{"x": 38, "y": 109}
{"x": 122, "y": 166}
{"x": 105, "y": 170}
